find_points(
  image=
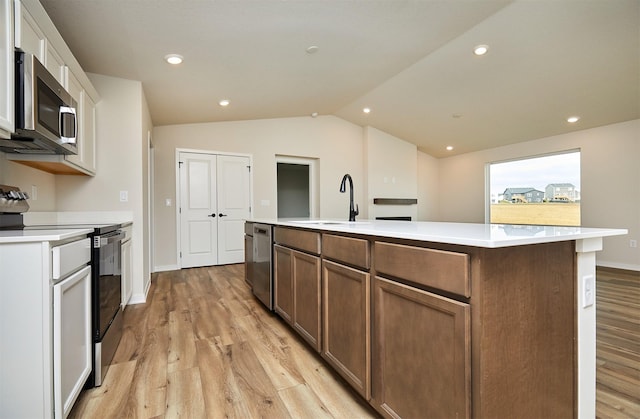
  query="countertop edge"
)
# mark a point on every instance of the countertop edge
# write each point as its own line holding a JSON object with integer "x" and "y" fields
{"x": 465, "y": 234}
{"x": 30, "y": 236}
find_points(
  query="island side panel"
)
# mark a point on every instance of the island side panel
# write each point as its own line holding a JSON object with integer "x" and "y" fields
{"x": 524, "y": 331}
{"x": 586, "y": 325}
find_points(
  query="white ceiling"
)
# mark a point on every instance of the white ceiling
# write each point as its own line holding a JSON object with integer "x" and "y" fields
{"x": 410, "y": 61}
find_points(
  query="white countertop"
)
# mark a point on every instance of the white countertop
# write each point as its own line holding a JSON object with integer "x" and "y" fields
{"x": 26, "y": 236}
{"x": 468, "y": 234}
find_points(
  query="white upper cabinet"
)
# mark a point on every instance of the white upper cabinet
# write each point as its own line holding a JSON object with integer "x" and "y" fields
{"x": 85, "y": 111}
{"x": 36, "y": 34}
{"x": 29, "y": 37}
{"x": 55, "y": 65}
{"x": 7, "y": 121}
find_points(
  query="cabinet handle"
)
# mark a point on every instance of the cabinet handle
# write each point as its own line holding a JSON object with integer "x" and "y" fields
{"x": 212, "y": 215}
{"x": 222, "y": 215}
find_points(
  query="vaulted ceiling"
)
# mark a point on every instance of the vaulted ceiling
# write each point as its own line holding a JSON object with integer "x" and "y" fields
{"x": 410, "y": 61}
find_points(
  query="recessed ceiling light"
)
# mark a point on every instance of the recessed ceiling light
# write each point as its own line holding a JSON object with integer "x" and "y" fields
{"x": 312, "y": 49}
{"x": 481, "y": 49}
{"x": 573, "y": 119}
{"x": 449, "y": 148}
{"x": 224, "y": 102}
{"x": 366, "y": 110}
{"x": 173, "y": 58}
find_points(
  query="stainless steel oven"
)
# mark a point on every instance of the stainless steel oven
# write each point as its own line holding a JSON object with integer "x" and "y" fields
{"x": 107, "y": 295}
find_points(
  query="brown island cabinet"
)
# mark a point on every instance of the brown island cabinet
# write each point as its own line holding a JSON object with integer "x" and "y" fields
{"x": 424, "y": 328}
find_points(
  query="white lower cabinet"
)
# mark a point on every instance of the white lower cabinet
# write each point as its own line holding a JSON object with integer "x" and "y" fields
{"x": 45, "y": 326}
{"x": 71, "y": 338}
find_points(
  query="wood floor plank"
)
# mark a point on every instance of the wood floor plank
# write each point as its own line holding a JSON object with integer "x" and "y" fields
{"x": 182, "y": 347}
{"x": 302, "y": 402}
{"x": 133, "y": 333}
{"x": 221, "y": 394}
{"x": 184, "y": 394}
{"x": 109, "y": 399}
{"x": 272, "y": 349}
{"x": 330, "y": 389}
{"x": 149, "y": 384}
{"x": 254, "y": 384}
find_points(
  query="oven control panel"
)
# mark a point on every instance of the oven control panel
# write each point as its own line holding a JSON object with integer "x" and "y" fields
{"x": 13, "y": 200}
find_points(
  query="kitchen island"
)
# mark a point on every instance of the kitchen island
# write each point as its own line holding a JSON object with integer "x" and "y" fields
{"x": 446, "y": 319}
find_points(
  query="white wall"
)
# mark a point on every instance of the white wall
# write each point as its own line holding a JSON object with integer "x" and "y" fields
{"x": 428, "y": 181}
{"x": 24, "y": 177}
{"x": 337, "y": 144}
{"x": 121, "y": 128}
{"x": 391, "y": 172}
{"x": 610, "y": 183}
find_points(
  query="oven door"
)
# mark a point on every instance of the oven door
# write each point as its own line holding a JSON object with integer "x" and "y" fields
{"x": 108, "y": 288}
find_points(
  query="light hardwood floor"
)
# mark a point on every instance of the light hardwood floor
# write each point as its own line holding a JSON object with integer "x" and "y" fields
{"x": 618, "y": 344}
{"x": 202, "y": 346}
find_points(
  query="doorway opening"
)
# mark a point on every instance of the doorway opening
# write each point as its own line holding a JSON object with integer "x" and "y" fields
{"x": 296, "y": 187}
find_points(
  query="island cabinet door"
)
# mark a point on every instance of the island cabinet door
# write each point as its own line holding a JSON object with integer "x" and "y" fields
{"x": 283, "y": 282}
{"x": 421, "y": 353}
{"x": 306, "y": 297}
{"x": 347, "y": 330}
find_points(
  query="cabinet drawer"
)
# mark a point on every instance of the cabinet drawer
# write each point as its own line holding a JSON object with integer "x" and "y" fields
{"x": 69, "y": 257}
{"x": 308, "y": 241}
{"x": 346, "y": 249}
{"x": 444, "y": 270}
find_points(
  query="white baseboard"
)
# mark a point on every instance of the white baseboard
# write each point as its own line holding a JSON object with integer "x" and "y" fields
{"x": 626, "y": 266}
{"x": 137, "y": 299}
{"x": 165, "y": 268}
{"x": 140, "y": 298}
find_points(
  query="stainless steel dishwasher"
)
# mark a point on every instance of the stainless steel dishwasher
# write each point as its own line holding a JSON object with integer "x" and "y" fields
{"x": 261, "y": 272}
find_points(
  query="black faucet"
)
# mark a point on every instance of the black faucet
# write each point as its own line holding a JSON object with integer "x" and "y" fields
{"x": 343, "y": 188}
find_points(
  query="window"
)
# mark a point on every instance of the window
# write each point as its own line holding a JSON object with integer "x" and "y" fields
{"x": 540, "y": 190}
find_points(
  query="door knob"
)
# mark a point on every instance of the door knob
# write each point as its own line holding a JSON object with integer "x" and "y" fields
{"x": 222, "y": 215}
{"x": 212, "y": 215}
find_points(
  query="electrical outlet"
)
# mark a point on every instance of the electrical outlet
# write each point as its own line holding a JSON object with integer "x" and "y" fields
{"x": 588, "y": 291}
{"x": 167, "y": 202}
{"x": 124, "y": 196}
{"x": 633, "y": 243}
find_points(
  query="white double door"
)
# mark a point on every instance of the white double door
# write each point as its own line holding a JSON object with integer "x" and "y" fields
{"x": 215, "y": 200}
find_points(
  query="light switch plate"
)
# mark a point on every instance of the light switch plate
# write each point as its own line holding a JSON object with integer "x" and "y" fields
{"x": 588, "y": 291}
{"x": 124, "y": 196}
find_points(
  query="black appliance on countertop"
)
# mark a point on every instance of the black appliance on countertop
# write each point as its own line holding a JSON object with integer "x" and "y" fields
{"x": 106, "y": 277}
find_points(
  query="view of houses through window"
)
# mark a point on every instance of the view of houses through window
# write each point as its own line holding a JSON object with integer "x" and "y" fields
{"x": 543, "y": 190}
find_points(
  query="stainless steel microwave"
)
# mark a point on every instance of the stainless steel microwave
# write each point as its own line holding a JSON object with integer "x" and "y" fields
{"x": 45, "y": 112}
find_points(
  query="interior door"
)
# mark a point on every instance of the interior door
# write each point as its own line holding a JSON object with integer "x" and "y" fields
{"x": 198, "y": 215}
{"x": 234, "y": 206}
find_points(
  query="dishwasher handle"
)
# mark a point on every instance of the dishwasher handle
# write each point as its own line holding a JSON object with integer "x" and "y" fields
{"x": 261, "y": 231}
